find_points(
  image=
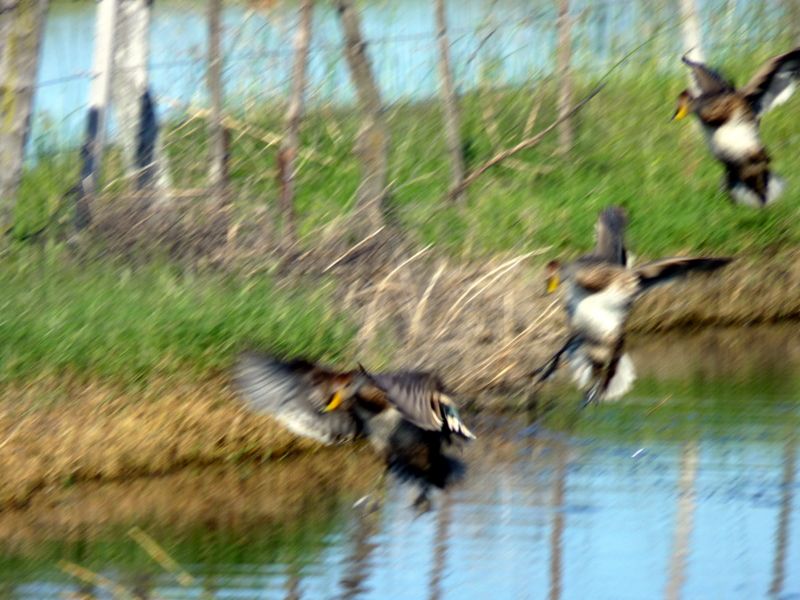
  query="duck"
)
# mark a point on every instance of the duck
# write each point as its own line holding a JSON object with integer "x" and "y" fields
{"x": 407, "y": 416}
{"x": 730, "y": 118}
{"x": 600, "y": 289}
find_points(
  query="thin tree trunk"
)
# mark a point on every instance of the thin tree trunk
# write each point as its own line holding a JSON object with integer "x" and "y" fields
{"x": 99, "y": 94}
{"x": 452, "y": 118}
{"x": 372, "y": 146}
{"x": 684, "y": 521}
{"x": 563, "y": 60}
{"x": 692, "y": 39}
{"x": 441, "y": 543}
{"x": 21, "y": 25}
{"x": 290, "y": 144}
{"x": 142, "y": 145}
{"x": 218, "y": 171}
{"x": 557, "y": 531}
{"x": 793, "y": 17}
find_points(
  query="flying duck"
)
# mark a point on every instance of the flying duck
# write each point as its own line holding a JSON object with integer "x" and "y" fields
{"x": 730, "y": 118}
{"x": 407, "y": 416}
{"x": 600, "y": 289}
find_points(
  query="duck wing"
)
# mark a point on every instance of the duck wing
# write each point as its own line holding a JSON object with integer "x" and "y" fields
{"x": 286, "y": 391}
{"x": 419, "y": 397}
{"x": 662, "y": 270}
{"x": 708, "y": 80}
{"x": 774, "y": 82}
{"x": 610, "y": 235}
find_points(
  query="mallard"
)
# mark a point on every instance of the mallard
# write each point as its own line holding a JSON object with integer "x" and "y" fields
{"x": 407, "y": 416}
{"x": 730, "y": 118}
{"x": 600, "y": 289}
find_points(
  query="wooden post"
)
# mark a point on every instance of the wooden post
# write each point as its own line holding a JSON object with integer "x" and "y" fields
{"x": 218, "y": 171}
{"x": 21, "y": 25}
{"x": 563, "y": 60}
{"x": 99, "y": 93}
{"x": 372, "y": 146}
{"x": 452, "y": 118}
{"x": 290, "y": 144}
{"x": 784, "y": 519}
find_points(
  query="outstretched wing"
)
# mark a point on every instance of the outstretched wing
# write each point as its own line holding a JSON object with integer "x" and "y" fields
{"x": 662, "y": 270}
{"x": 610, "y": 235}
{"x": 420, "y": 399}
{"x": 285, "y": 391}
{"x": 774, "y": 82}
{"x": 708, "y": 80}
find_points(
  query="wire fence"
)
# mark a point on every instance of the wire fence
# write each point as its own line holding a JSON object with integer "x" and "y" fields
{"x": 502, "y": 56}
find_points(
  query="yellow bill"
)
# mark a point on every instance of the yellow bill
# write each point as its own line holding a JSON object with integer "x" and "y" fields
{"x": 552, "y": 283}
{"x": 681, "y": 113}
{"x": 334, "y": 403}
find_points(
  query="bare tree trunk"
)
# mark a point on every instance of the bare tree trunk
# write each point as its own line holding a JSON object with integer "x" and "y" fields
{"x": 99, "y": 93}
{"x": 557, "y": 531}
{"x": 142, "y": 145}
{"x": 452, "y": 118}
{"x": 441, "y": 543}
{"x": 563, "y": 60}
{"x": 372, "y": 146}
{"x": 684, "y": 521}
{"x": 290, "y": 144}
{"x": 21, "y": 24}
{"x": 218, "y": 171}
{"x": 692, "y": 39}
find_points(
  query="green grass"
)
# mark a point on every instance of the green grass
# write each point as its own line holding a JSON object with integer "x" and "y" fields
{"x": 131, "y": 324}
{"x": 127, "y": 325}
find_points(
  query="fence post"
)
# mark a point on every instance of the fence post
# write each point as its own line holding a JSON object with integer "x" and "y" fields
{"x": 21, "y": 25}
{"x": 452, "y": 118}
{"x": 563, "y": 60}
{"x": 372, "y": 146}
{"x": 290, "y": 144}
{"x": 99, "y": 93}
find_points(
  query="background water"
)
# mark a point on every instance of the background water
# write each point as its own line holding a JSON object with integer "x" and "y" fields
{"x": 685, "y": 489}
{"x": 498, "y": 43}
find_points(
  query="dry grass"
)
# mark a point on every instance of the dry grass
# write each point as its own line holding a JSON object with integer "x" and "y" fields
{"x": 100, "y": 433}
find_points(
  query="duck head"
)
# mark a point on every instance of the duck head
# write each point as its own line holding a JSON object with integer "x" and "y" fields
{"x": 553, "y": 274}
{"x": 685, "y": 105}
{"x": 342, "y": 388}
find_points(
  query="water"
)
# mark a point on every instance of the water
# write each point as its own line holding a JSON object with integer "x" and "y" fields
{"x": 688, "y": 488}
{"x": 503, "y": 42}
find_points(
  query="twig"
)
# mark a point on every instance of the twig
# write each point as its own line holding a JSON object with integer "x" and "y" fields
{"x": 158, "y": 554}
{"x": 421, "y": 305}
{"x": 93, "y": 578}
{"x": 353, "y": 249}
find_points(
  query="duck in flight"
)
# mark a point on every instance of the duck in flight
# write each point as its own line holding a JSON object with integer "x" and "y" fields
{"x": 599, "y": 293}
{"x": 730, "y": 118}
{"x": 407, "y": 416}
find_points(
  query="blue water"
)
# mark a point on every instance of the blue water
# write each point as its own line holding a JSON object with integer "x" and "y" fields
{"x": 493, "y": 44}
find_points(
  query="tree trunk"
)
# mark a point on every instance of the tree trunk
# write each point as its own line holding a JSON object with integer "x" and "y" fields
{"x": 793, "y": 17}
{"x": 563, "y": 60}
{"x": 21, "y": 25}
{"x": 452, "y": 118}
{"x": 372, "y": 146}
{"x": 290, "y": 144}
{"x": 692, "y": 39}
{"x": 99, "y": 93}
{"x": 142, "y": 145}
{"x": 218, "y": 171}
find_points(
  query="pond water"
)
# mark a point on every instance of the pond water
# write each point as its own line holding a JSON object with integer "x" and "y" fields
{"x": 687, "y": 488}
{"x": 503, "y": 42}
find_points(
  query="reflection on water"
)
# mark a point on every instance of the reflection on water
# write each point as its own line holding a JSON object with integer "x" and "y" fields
{"x": 692, "y": 498}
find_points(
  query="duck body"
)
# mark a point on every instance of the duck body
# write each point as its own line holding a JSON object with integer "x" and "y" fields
{"x": 730, "y": 118}
{"x": 407, "y": 417}
{"x": 600, "y": 290}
